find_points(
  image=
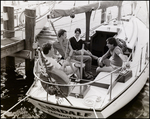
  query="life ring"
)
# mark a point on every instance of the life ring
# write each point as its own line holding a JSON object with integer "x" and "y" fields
{"x": 60, "y": 78}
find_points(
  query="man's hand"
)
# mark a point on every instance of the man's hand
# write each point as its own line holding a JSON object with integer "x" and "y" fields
{"x": 99, "y": 61}
{"x": 126, "y": 65}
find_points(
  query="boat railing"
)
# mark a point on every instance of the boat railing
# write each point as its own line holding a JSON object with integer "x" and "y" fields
{"x": 83, "y": 84}
{"x": 88, "y": 83}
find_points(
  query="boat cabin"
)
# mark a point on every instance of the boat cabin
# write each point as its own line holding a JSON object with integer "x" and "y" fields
{"x": 98, "y": 40}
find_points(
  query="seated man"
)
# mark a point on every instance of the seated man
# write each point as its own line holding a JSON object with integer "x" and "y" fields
{"x": 116, "y": 60}
{"x": 64, "y": 48}
{"x": 48, "y": 52}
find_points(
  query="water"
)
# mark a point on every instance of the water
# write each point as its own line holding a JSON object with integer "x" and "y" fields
{"x": 13, "y": 92}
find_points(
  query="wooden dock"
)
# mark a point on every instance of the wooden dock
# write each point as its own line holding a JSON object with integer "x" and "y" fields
{"x": 10, "y": 46}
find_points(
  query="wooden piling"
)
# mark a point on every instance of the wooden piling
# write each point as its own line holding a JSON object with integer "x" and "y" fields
{"x": 29, "y": 39}
{"x": 88, "y": 16}
{"x": 9, "y": 33}
{"x": 8, "y": 24}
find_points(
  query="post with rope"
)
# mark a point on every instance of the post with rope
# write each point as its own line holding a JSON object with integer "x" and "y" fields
{"x": 30, "y": 17}
{"x": 9, "y": 33}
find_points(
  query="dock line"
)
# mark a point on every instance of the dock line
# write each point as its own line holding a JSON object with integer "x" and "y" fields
{"x": 14, "y": 105}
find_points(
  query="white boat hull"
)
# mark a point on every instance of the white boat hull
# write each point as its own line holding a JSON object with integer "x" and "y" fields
{"x": 121, "y": 100}
{"x": 63, "y": 111}
{"x": 126, "y": 96}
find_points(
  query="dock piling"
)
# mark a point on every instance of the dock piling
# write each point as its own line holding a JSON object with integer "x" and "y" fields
{"x": 30, "y": 17}
{"x": 9, "y": 33}
{"x": 9, "y": 24}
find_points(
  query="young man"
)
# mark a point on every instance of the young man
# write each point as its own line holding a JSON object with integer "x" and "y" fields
{"x": 48, "y": 51}
{"x": 116, "y": 60}
{"x": 64, "y": 48}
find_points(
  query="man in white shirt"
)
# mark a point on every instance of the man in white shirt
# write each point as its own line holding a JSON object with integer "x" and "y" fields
{"x": 52, "y": 59}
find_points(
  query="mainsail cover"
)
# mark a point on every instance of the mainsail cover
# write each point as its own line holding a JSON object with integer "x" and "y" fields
{"x": 62, "y": 12}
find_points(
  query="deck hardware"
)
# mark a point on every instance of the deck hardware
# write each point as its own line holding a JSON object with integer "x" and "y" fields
{"x": 76, "y": 95}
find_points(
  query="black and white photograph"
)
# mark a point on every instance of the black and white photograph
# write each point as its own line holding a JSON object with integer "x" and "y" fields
{"x": 74, "y": 59}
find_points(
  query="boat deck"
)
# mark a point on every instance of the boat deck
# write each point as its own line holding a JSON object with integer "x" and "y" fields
{"x": 92, "y": 94}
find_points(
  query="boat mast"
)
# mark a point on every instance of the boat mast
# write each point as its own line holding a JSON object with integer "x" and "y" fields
{"x": 119, "y": 14}
{"x": 88, "y": 16}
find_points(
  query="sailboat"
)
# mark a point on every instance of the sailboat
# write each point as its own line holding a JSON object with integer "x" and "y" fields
{"x": 108, "y": 91}
{"x": 42, "y": 10}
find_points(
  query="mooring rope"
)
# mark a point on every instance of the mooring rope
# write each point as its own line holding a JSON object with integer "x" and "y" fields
{"x": 94, "y": 110}
{"x": 14, "y": 106}
{"x": 17, "y": 103}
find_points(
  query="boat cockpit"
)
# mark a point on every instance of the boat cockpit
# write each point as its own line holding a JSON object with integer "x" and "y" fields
{"x": 98, "y": 41}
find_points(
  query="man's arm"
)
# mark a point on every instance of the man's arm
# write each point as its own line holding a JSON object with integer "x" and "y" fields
{"x": 123, "y": 57}
{"x": 105, "y": 55}
{"x": 119, "y": 52}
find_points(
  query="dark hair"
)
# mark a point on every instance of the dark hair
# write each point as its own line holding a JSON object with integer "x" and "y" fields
{"x": 77, "y": 29}
{"x": 111, "y": 41}
{"x": 61, "y": 32}
{"x": 46, "y": 47}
